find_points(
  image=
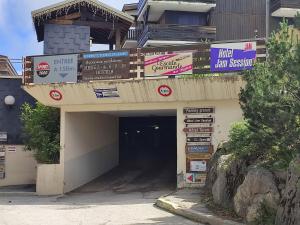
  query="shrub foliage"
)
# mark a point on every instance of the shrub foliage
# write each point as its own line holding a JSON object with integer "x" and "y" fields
{"x": 271, "y": 105}
{"x": 41, "y": 129}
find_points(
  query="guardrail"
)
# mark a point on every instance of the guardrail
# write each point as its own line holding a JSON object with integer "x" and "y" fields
{"x": 277, "y": 4}
{"x": 175, "y": 32}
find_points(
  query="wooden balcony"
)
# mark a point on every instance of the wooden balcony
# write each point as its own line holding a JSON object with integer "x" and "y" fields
{"x": 130, "y": 41}
{"x": 166, "y": 32}
{"x": 284, "y": 8}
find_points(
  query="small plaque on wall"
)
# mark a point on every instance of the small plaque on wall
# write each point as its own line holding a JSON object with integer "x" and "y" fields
{"x": 198, "y": 166}
{"x": 2, "y": 175}
{"x": 11, "y": 148}
{"x": 3, "y": 136}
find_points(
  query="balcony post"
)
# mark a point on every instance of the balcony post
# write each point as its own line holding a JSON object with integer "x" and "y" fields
{"x": 267, "y": 18}
{"x": 111, "y": 46}
{"x": 118, "y": 38}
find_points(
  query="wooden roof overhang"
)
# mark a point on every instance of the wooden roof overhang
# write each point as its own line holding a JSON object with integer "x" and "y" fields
{"x": 101, "y": 18}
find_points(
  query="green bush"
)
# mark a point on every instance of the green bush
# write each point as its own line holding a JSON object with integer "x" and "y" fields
{"x": 41, "y": 132}
{"x": 271, "y": 105}
{"x": 240, "y": 137}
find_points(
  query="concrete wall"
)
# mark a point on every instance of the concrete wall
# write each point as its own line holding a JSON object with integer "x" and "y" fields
{"x": 226, "y": 113}
{"x": 49, "y": 179}
{"x": 90, "y": 147}
{"x": 61, "y": 39}
{"x": 20, "y": 167}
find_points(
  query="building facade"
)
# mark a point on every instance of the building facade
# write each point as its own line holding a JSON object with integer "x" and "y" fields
{"x": 183, "y": 115}
{"x": 17, "y": 167}
{"x": 184, "y": 22}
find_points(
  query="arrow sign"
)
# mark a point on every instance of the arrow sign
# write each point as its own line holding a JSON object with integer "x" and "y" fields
{"x": 198, "y": 110}
{"x": 199, "y": 120}
{"x": 198, "y": 139}
{"x": 198, "y": 130}
{"x": 199, "y": 149}
{"x": 189, "y": 178}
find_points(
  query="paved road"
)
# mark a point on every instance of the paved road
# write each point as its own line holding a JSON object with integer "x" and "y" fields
{"x": 101, "y": 208}
{"x": 121, "y": 197}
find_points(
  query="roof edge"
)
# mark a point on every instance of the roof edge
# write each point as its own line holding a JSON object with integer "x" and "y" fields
{"x": 68, "y": 3}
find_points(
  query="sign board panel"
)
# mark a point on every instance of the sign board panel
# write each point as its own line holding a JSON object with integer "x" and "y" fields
{"x": 198, "y": 110}
{"x": 106, "y": 92}
{"x": 192, "y": 156}
{"x": 198, "y": 166}
{"x": 170, "y": 64}
{"x": 198, "y": 139}
{"x": 200, "y": 178}
{"x": 199, "y": 120}
{"x": 107, "y": 65}
{"x": 199, "y": 149}
{"x": 3, "y": 136}
{"x": 198, "y": 129}
{"x": 55, "y": 69}
{"x": 232, "y": 56}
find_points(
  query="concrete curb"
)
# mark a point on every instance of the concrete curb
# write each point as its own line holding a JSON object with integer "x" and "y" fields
{"x": 17, "y": 193}
{"x": 193, "y": 214}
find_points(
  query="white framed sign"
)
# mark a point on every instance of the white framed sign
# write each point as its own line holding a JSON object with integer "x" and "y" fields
{"x": 198, "y": 166}
{"x": 3, "y": 136}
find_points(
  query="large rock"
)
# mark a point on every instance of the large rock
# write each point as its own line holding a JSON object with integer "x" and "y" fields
{"x": 212, "y": 170}
{"x": 259, "y": 186}
{"x": 288, "y": 212}
{"x": 230, "y": 174}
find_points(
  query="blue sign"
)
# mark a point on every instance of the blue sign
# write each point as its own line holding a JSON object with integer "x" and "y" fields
{"x": 99, "y": 55}
{"x": 106, "y": 93}
{"x": 232, "y": 56}
{"x": 199, "y": 148}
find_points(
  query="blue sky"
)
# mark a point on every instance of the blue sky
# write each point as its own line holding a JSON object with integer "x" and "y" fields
{"x": 17, "y": 35}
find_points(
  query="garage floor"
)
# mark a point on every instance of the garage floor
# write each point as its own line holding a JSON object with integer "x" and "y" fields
{"x": 126, "y": 180}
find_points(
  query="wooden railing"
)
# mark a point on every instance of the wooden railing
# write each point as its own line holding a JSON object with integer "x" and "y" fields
{"x": 277, "y": 4}
{"x": 122, "y": 64}
{"x": 132, "y": 34}
{"x": 166, "y": 32}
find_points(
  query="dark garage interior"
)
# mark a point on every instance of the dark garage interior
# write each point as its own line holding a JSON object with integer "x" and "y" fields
{"x": 147, "y": 157}
{"x": 149, "y": 144}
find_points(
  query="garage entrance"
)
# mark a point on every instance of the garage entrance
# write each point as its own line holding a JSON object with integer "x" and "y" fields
{"x": 147, "y": 154}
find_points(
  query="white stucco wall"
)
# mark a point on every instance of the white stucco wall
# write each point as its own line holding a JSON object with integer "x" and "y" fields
{"x": 89, "y": 137}
{"x": 226, "y": 113}
{"x": 20, "y": 167}
{"x": 91, "y": 147}
{"x": 49, "y": 179}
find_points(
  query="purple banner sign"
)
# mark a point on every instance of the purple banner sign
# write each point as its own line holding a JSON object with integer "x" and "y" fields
{"x": 232, "y": 56}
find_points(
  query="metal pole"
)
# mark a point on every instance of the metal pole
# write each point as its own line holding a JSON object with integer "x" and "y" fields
{"x": 267, "y": 18}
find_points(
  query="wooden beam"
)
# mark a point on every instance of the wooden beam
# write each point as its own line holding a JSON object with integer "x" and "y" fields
{"x": 118, "y": 38}
{"x": 71, "y": 16}
{"x": 111, "y": 34}
{"x": 61, "y": 22}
